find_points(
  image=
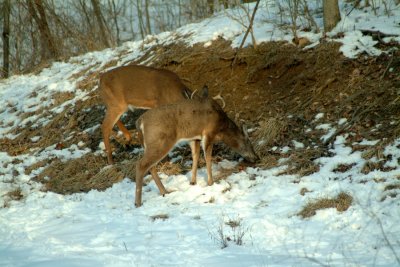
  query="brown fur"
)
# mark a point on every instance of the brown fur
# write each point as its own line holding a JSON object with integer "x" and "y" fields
{"x": 199, "y": 120}
{"x": 137, "y": 86}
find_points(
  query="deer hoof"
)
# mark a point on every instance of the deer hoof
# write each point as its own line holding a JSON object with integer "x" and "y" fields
{"x": 192, "y": 183}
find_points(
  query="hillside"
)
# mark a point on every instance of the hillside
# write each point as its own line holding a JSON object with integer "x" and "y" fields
{"x": 324, "y": 119}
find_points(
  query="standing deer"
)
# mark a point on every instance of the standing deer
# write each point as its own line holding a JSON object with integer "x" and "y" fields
{"x": 139, "y": 87}
{"x": 199, "y": 120}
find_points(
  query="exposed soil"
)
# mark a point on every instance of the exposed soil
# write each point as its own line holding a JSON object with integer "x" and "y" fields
{"x": 276, "y": 89}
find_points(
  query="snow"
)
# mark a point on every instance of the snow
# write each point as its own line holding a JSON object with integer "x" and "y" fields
{"x": 184, "y": 228}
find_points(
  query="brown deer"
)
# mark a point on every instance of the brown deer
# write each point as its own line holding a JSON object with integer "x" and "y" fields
{"x": 199, "y": 120}
{"x": 138, "y": 87}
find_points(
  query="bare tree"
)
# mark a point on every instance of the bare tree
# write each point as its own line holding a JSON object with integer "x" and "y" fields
{"x": 148, "y": 25}
{"x": 140, "y": 18}
{"x": 48, "y": 48}
{"x": 100, "y": 21}
{"x": 115, "y": 14}
{"x": 6, "y": 38}
{"x": 331, "y": 14}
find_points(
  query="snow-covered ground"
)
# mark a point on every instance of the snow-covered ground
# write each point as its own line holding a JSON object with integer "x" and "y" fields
{"x": 187, "y": 227}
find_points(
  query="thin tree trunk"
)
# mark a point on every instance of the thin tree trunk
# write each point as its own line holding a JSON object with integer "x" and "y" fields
{"x": 140, "y": 18}
{"x": 99, "y": 17}
{"x": 210, "y": 4}
{"x": 331, "y": 14}
{"x": 115, "y": 16}
{"x": 82, "y": 3}
{"x": 6, "y": 38}
{"x": 49, "y": 49}
{"x": 148, "y": 25}
{"x": 247, "y": 33}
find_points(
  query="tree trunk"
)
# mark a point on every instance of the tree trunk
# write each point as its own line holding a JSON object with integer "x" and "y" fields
{"x": 99, "y": 17}
{"x": 331, "y": 14}
{"x": 148, "y": 25}
{"x": 140, "y": 18}
{"x": 6, "y": 38}
{"x": 115, "y": 18}
{"x": 210, "y": 4}
{"x": 48, "y": 47}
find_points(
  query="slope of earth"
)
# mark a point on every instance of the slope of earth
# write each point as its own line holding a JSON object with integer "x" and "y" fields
{"x": 276, "y": 89}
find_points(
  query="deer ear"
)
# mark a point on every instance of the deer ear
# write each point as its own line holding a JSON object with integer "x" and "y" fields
{"x": 204, "y": 92}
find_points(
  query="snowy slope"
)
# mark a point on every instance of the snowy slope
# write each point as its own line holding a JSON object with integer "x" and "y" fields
{"x": 185, "y": 228}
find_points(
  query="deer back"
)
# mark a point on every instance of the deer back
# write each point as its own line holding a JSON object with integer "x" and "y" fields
{"x": 141, "y": 87}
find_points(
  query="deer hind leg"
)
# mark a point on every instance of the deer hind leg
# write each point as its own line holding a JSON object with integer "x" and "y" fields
{"x": 111, "y": 117}
{"x": 207, "y": 148}
{"x": 150, "y": 159}
{"x": 195, "y": 147}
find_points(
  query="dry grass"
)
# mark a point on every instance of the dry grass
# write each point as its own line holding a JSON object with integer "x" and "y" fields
{"x": 15, "y": 194}
{"x": 269, "y": 132}
{"x": 162, "y": 216}
{"x": 268, "y": 161}
{"x": 83, "y": 174}
{"x": 370, "y": 166}
{"x": 304, "y": 191}
{"x": 391, "y": 190}
{"x": 301, "y": 161}
{"x": 342, "y": 202}
{"x": 343, "y": 167}
{"x": 170, "y": 168}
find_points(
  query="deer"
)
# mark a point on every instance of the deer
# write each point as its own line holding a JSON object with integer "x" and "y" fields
{"x": 199, "y": 120}
{"x": 136, "y": 86}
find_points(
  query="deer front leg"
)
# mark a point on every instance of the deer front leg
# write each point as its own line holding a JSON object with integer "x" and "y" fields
{"x": 195, "y": 147}
{"x": 207, "y": 147}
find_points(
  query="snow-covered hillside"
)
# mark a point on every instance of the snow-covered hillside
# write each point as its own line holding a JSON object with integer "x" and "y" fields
{"x": 251, "y": 218}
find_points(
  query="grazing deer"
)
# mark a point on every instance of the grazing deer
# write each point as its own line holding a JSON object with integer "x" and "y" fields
{"x": 138, "y": 87}
{"x": 199, "y": 120}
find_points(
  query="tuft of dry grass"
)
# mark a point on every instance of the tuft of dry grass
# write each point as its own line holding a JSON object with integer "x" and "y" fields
{"x": 170, "y": 168}
{"x": 268, "y": 161}
{"x": 83, "y": 174}
{"x": 162, "y": 216}
{"x": 269, "y": 132}
{"x": 343, "y": 167}
{"x": 370, "y": 166}
{"x": 304, "y": 191}
{"x": 15, "y": 194}
{"x": 301, "y": 161}
{"x": 392, "y": 189}
{"x": 341, "y": 202}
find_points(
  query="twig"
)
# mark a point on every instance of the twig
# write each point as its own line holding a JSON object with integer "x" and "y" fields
{"x": 386, "y": 238}
{"x": 247, "y": 33}
{"x": 387, "y": 68}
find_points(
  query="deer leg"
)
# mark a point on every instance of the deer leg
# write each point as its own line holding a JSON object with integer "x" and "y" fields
{"x": 150, "y": 159}
{"x": 195, "y": 147}
{"x": 125, "y": 131}
{"x": 111, "y": 117}
{"x": 140, "y": 172}
{"x": 156, "y": 178}
{"x": 207, "y": 148}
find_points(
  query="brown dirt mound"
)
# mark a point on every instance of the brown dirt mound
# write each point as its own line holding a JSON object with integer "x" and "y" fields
{"x": 276, "y": 89}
